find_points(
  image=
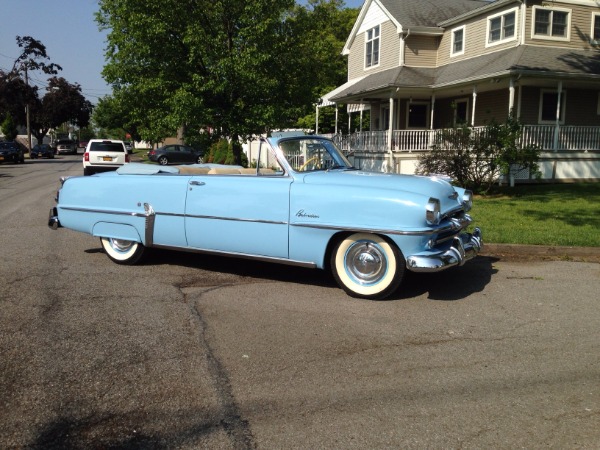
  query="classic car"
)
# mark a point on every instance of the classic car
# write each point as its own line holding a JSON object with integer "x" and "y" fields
{"x": 303, "y": 204}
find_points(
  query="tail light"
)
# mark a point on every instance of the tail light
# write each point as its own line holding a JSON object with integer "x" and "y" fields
{"x": 86, "y": 156}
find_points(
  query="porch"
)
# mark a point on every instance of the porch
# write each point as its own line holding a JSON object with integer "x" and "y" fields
{"x": 550, "y": 138}
{"x": 569, "y": 153}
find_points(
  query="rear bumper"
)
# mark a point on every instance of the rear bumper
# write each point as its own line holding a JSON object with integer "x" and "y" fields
{"x": 464, "y": 247}
{"x": 53, "y": 221}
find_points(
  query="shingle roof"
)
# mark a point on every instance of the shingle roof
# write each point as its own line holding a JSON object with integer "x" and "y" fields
{"x": 428, "y": 13}
{"x": 522, "y": 59}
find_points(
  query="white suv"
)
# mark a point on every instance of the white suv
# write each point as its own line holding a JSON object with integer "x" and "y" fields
{"x": 104, "y": 154}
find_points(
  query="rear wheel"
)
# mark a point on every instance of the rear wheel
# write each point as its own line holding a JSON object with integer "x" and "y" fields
{"x": 200, "y": 160}
{"x": 122, "y": 251}
{"x": 163, "y": 161}
{"x": 367, "y": 266}
{"x": 88, "y": 171}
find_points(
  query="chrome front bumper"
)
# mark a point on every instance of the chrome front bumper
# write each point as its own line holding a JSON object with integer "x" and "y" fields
{"x": 464, "y": 247}
{"x": 53, "y": 221}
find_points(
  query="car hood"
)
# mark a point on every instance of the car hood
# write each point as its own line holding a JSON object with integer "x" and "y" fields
{"x": 415, "y": 184}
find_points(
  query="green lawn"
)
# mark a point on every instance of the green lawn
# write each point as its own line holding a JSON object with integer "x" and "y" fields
{"x": 563, "y": 214}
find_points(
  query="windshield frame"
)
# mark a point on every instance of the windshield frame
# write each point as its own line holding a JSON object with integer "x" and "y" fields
{"x": 309, "y": 154}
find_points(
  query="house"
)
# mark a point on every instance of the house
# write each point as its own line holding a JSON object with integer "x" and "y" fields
{"x": 422, "y": 65}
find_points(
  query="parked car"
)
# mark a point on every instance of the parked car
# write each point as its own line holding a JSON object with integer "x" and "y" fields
{"x": 10, "y": 151}
{"x": 304, "y": 205}
{"x": 66, "y": 146}
{"x": 128, "y": 146}
{"x": 82, "y": 144}
{"x": 102, "y": 155}
{"x": 41, "y": 151}
{"x": 170, "y": 154}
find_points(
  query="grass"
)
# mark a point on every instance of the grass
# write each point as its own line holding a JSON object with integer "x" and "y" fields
{"x": 562, "y": 214}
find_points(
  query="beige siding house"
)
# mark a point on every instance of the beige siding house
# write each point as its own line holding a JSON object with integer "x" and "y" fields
{"x": 422, "y": 65}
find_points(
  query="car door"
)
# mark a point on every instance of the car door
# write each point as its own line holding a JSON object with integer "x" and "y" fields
{"x": 187, "y": 154}
{"x": 246, "y": 214}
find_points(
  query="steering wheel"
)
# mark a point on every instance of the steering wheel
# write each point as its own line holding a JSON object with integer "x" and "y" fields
{"x": 309, "y": 161}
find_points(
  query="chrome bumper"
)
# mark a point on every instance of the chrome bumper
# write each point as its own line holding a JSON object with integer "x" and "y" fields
{"x": 53, "y": 221}
{"x": 464, "y": 247}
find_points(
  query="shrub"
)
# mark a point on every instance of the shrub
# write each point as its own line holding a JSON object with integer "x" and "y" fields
{"x": 221, "y": 152}
{"x": 477, "y": 158}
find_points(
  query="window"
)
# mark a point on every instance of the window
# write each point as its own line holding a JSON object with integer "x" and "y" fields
{"x": 548, "y": 102}
{"x": 501, "y": 27}
{"x": 458, "y": 41}
{"x": 372, "y": 47}
{"x": 551, "y": 23}
{"x": 595, "y": 34}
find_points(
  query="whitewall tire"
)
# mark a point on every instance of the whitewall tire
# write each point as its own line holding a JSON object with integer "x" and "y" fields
{"x": 122, "y": 251}
{"x": 367, "y": 266}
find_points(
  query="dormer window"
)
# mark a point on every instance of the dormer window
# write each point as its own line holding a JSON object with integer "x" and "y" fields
{"x": 458, "y": 41}
{"x": 501, "y": 27}
{"x": 551, "y": 23}
{"x": 372, "y": 47}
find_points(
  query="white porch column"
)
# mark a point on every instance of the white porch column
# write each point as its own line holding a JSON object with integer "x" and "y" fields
{"x": 336, "y": 118}
{"x": 391, "y": 125}
{"x": 361, "y": 118}
{"x": 519, "y": 99}
{"x": 432, "y": 112}
{"x": 317, "y": 120}
{"x": 511, "y": 97}
{"x": 474, "y": 104}
{"x": 557, "y": 126}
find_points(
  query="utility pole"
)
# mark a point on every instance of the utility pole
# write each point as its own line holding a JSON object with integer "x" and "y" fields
{"x": 27, "y": 111}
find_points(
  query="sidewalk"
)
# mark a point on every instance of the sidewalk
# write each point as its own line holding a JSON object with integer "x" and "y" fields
{"x": 516, "y": 252}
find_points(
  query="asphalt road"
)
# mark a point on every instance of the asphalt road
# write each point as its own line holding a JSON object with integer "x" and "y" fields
{"x": 188, "y": 351}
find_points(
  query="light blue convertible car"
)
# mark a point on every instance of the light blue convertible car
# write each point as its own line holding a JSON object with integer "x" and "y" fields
{"x": 304, "y": 204}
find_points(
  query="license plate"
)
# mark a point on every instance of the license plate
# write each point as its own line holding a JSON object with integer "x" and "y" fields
{"x": 106, "y": 158}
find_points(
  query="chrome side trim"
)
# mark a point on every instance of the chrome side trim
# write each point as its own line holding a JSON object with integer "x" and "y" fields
{"x": 454, "y": 225}
{"x": 105, "y": 211}
{"x": 149, "y": 225}
{"x": 234, "y": 219}
{"x": 270, "y": 259}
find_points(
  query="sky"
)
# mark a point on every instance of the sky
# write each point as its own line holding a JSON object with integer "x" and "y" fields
{"x": 71, "y": 36}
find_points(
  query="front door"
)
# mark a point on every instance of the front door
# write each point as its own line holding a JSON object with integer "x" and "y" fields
{"x": 246, "y": 214}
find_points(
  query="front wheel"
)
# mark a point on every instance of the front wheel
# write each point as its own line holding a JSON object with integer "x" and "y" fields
{"x": 200, "y": 160}
{"x": 163, "y": 161}
{"x": 367, "y": 266}
{"x": 122, "y": 251}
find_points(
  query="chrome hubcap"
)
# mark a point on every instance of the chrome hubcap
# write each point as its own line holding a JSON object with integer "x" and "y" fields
{"x": 366, "y": 262}
{"x": 121, "y": 245}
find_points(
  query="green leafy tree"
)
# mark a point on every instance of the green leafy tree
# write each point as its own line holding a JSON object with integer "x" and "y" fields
{"x": 9, "y": 129}
{"x": 62, "y": 103}
{"x": 476, "y": 158}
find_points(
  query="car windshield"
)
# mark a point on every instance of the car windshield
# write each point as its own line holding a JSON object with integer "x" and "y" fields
{"x": 107, "y": 147}
{"x": 310, "y": 154}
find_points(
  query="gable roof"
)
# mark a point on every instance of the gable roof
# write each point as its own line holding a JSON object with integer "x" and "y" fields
{"x": 523, "y": 60}
{"x": 428, "y": 13}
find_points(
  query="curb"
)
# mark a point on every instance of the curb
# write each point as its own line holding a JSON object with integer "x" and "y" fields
{"x": 517, "y": 252}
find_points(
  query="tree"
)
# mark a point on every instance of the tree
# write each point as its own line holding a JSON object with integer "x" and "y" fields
{"x": 9, "y": 128}
{"x": 62, "y": 103}
{"x": 476, "y": 158}
{"x": 220, "y": 68}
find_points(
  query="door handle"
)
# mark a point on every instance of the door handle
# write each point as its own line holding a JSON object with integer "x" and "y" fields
{"x": 197, "y": 183}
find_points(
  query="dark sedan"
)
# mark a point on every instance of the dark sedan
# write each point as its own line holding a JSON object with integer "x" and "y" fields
{"x": 10, "y": 151}
{"x": 42, "y": 151}
{"x": 175, "y": 154}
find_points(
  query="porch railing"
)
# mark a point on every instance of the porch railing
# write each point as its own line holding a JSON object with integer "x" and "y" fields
{"x": 548, "y": 137}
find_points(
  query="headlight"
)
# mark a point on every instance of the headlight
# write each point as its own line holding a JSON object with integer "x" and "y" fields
{"x": 467, "y": 200}
{"x": 433, "y": 211}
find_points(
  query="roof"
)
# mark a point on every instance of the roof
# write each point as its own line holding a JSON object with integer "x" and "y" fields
{"x": 539, "y": 61}
{"x": 428, "y": 13}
